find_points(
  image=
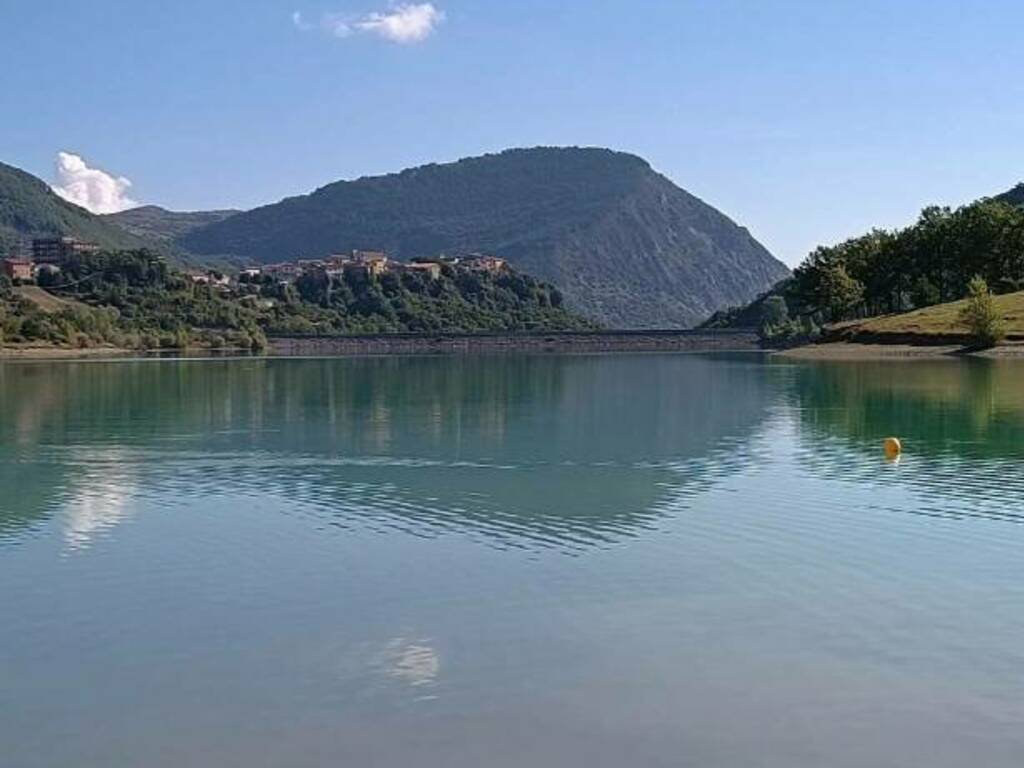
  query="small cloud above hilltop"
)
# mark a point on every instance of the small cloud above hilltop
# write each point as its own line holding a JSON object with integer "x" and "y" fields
{"x": 404, "y": 24}
{"x": 92, "y": 188}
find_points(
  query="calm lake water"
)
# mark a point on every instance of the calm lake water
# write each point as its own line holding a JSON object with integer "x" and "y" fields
{"x": 664, "y": 560}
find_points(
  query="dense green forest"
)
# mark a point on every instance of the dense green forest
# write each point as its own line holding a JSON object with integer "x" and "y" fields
{"x": 930, "y": 262}
{"x": 134, "y": 299}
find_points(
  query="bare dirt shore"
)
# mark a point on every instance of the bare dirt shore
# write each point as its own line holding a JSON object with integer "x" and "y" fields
{"x": 30, "y": 352}
{"x": 842, "y": 350}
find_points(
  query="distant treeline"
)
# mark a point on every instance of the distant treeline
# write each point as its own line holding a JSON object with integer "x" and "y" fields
{"x": 931, "y": 262}
{"x": 134, "y": 299}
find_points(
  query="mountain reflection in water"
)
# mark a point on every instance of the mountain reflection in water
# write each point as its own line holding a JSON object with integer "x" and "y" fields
{"x": 522, "y": 451}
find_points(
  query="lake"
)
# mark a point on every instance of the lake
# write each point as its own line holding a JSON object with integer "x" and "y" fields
{"x": 651, "y": 560}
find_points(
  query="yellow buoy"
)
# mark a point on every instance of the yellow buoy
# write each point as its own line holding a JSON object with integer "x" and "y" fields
{"x": 893, "y": 447}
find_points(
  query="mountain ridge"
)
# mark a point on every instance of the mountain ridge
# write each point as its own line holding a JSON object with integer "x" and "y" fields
{"x": 158, "y": 223}
{"x": 625, "y": 245}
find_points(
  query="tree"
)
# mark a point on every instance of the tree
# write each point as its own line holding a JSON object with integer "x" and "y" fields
{"x": 924, "y": 293}
{"x": 840, "y": 293}
{"x": 981, "y": 316}
{"x": 927, "y": 263}
{"x": 774, "y": 311}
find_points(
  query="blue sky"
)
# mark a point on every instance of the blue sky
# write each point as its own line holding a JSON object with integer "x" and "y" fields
{"x": 805, "y": 121}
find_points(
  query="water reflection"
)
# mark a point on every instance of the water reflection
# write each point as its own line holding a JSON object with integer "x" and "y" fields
{"x": 519, "y": 451}
{"x": 563, "y": 452}
{"x": 98, "y": 494}
{"x": 414, "y": 663}
{"x": 938, "y": 406}
{"x": 197, "y": 565}
{"x": 960, "y": 421}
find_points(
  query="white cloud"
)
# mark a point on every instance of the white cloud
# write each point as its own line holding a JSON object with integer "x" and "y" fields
{"x": 92, "y": 188}
{"x": 405, "y": 23}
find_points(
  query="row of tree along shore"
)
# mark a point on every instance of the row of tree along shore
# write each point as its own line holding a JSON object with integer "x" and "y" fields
{"x": 972, "y": 253}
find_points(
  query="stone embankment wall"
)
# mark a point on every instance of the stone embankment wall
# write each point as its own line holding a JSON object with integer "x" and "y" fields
{"x": 562, "y": 341}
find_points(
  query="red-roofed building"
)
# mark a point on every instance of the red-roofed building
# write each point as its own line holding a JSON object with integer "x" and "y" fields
{"x": 482, "y": 263}
{"x": 16, "y": 269}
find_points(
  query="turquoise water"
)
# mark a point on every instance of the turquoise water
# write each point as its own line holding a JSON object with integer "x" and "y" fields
{"x": 663, "y": 560}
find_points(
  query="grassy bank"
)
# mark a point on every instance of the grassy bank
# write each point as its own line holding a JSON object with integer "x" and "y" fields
{"x": 939, "y": 324}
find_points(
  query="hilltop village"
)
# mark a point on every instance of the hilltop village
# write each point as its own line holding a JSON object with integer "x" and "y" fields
{"x": 361, "y": 264}
{"x": 49, "y": 255}
{"x": 70, "y": 293}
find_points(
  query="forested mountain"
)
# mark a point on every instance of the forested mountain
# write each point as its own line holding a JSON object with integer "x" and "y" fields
{"x": 624, "y": 244}
{"x": 29, "y": 208}
{"x": 156, "y": 223}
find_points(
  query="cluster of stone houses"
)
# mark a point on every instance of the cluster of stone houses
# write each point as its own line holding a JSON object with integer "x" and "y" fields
{"x": 52, "y": 252}
{"x": 373, "y": 264}
{"x": 46, "y": 253}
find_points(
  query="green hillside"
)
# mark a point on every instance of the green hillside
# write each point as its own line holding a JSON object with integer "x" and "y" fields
{"x": 159, "y": 224}
{"x": 29, "y": 208}
{"x": 941, "y": 321}
{"x": 624, "y": 244}
{"x": 135, "y": 299}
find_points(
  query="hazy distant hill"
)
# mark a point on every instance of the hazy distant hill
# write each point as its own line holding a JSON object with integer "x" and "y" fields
{"x": 29, "y": 208}
{"x": 624, "y": 244}
{"x": 158, "y": 223}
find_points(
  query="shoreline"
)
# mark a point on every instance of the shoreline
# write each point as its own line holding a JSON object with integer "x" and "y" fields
{"x": 588, "y": 342}
{"x": 491, "y": 343}
{"x": 853, "y": 352}
{"x": 64, "y": 353}
{"x": 555, "y": 342}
